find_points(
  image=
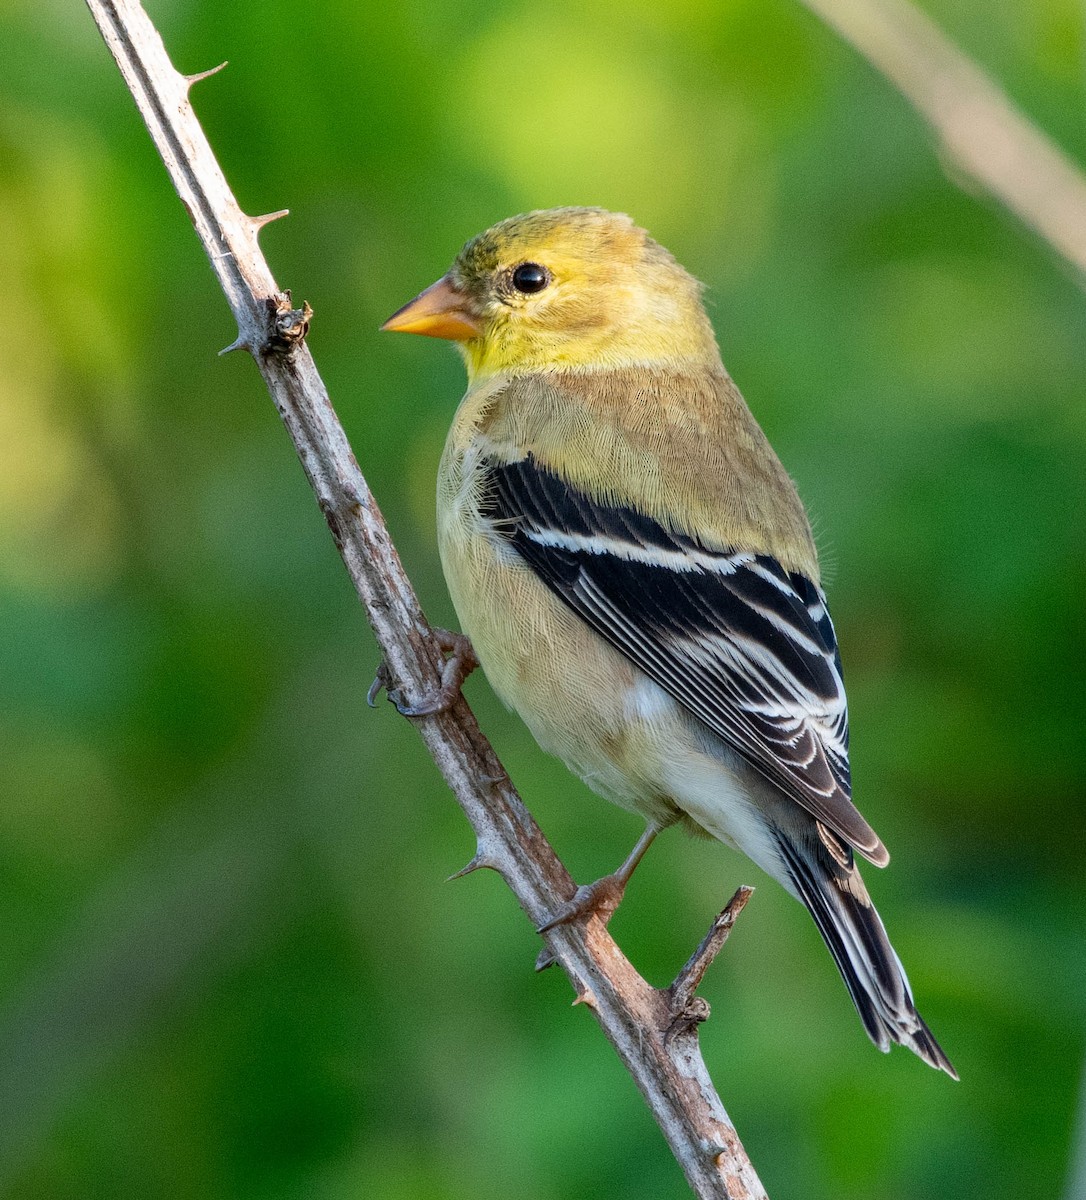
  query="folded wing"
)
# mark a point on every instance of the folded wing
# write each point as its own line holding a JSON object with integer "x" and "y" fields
{"x": 744, "y": 645}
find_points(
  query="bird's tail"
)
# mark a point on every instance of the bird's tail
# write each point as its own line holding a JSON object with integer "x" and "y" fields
{"x": 830, "y": 886}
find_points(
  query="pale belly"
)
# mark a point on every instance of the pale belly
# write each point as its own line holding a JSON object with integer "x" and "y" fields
{"x": 570, "y": 688}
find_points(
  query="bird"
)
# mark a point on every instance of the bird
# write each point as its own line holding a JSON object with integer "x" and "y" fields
{"x": 637, "y": 575}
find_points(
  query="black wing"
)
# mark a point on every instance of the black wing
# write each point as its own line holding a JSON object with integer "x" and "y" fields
{"x": 746, "y": 646}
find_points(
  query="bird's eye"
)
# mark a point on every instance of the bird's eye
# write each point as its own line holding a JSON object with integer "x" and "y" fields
{"x": 530, "y": 277}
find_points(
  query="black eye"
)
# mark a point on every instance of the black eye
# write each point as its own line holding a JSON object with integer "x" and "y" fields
{"x": 531, "y": 277}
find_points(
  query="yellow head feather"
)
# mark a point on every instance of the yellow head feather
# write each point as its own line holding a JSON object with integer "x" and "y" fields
{"x": 611, "y": 297}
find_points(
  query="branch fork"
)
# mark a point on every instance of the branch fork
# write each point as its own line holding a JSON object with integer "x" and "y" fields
{"x": 686, "y": 1009}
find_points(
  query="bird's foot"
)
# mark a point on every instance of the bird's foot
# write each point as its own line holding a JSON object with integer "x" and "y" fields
{"x": 599, "y": 899}
{"x": 459, "y": 664}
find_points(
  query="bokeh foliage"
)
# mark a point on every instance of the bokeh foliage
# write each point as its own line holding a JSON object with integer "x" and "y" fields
{"x": 230, "y": 964}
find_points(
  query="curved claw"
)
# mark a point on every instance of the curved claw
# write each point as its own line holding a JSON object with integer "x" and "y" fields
{"x": 435, "y": 702}
{"x": 380, "y": 682}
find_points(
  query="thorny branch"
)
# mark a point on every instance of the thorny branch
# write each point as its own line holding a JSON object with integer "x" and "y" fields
{"x": 656, "y": 1041}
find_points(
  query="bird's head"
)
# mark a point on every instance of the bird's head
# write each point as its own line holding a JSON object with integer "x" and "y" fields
{"x": 560, "y": 289}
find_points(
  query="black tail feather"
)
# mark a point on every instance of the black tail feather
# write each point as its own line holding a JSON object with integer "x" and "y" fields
{"x": 837, "y": 899}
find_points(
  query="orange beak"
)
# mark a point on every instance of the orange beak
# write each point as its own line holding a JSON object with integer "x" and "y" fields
{"x": 441, "y": 311}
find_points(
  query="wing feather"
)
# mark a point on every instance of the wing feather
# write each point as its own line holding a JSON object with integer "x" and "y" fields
{"x": 744, "y": 645}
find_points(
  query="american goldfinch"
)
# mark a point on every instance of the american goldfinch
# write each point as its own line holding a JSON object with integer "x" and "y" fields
{"x": 637, "y": 574}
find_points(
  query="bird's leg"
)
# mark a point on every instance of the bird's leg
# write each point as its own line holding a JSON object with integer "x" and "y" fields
{"x": 604, "y": 896}
{"x": 458, "y": 666}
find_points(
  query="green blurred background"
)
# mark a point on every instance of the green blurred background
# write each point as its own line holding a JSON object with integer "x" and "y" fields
{"x": 229, "y": 965}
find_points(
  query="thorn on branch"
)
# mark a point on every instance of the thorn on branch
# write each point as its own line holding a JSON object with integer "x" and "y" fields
{"x": 685, "y": 1008}
{"x": 241, "y": 342}
{"x": 258, "y": 223}
{"x": 585, "y": 996}
{"x": 352, "y": 495}
{"x": 545, "y": 958}
{"x": 479, "y": 861}
{"x": 191, "y": 80}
